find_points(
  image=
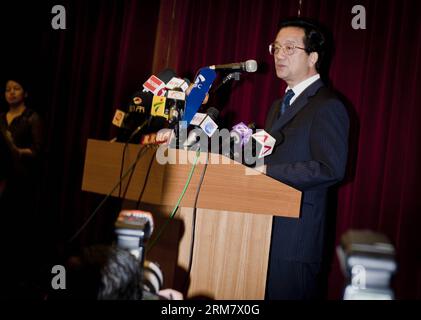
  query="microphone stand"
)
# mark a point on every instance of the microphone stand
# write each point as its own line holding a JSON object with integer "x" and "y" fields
{"x": 231, "y": 76}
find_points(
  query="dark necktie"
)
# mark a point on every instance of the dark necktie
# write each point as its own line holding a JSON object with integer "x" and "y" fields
{"x": 285, "y": 101}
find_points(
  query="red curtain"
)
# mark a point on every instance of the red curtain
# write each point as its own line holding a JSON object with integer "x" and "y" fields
{"x": 82, "y": 74}
{"x": 376, "y": 69}
{"x": 78, "y": 77}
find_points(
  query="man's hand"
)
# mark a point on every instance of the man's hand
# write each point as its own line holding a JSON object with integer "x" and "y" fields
{"x": 205, "y": 101}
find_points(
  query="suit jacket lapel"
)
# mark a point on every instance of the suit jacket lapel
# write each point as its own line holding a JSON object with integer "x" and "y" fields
{"x": 298, "y": 104}
{"x": 272, "y": 115}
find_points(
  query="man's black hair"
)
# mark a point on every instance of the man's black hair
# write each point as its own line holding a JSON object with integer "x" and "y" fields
{"x": 316, "y": 39}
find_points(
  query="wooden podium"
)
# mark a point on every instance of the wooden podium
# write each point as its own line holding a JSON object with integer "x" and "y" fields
{"x": 233, "y": 225}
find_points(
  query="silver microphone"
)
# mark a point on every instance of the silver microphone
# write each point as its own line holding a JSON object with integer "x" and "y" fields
{"x": 248, "y": 66}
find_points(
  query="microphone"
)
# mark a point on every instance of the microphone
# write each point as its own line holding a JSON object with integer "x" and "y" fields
{"x": 261, "y": 145}
{"x": 119, "y": 117}
{"x": 163, "y": 136}
{"x": 201, "y": 86}
{"x": 148, "y": 139}
{"x": 175, "y": 105}
{"x": 206, "y": 122}
{"x": 248, "y": 66}
{"x": 167, "y": 107}
{"x": 156, "y": 84}
{"x": 136, "y": 111}
{"x": 139, "y": 108}
{"x": 156, "y": 88}
{"x": 244, "y": 132}
{"x": 167, "y": 110}
{"x": 239, "y": 136}
{"x": 166, "y": 75}
{"x": 264, "y": 143}
{"x": 175, "y": 82}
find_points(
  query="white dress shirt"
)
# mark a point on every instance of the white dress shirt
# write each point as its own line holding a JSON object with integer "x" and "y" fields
{"x": 299, "y": 88}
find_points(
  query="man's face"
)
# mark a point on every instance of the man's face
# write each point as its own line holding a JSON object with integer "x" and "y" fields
{"x": 298, "y": 66}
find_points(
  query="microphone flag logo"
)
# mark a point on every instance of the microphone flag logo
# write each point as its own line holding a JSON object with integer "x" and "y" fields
{"x": 194, "y": 100}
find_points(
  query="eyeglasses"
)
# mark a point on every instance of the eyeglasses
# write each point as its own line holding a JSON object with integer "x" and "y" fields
{"x": 288, "y": 49}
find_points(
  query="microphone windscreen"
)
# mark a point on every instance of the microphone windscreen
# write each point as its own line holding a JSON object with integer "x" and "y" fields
{"x": 264, "y": 143}
{"x": 166, "y": 75}
{"x": 213, "y": 113}
{"x": 194, "y": 100}
{"x": 251, "y": 65}
{"x": 141, "y": 102}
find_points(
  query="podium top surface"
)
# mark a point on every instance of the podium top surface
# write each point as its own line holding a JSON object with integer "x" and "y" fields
{"x": 227, "y": 185}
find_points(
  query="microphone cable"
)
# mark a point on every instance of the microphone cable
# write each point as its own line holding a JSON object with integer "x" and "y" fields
{"x": 139, "y": 199}
{"x": 193, "y": 227}
{"x": 126, "y": 144}
{"x": 177, "y": 205}
{"x": 141, "y": 152}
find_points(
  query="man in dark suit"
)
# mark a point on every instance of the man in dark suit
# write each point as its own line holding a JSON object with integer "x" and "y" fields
{"x": 312, "y": 157}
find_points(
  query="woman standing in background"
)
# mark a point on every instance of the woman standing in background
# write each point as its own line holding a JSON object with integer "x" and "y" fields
{"x": 21, "y": 144}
